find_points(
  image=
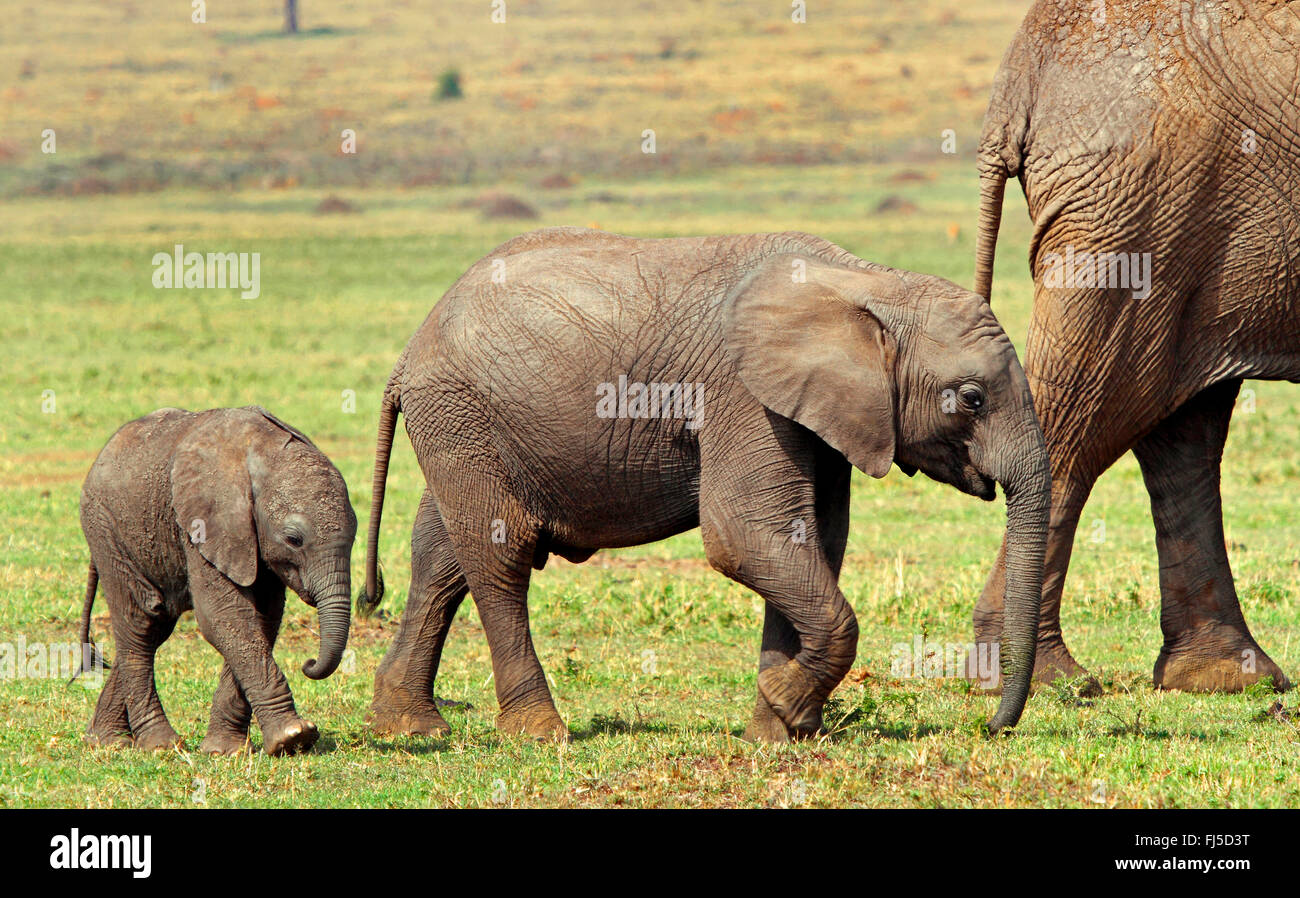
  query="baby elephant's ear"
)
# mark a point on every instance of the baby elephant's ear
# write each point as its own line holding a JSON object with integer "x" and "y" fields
{"x": 212, "y": 497}
{"x": 806, "y": 346}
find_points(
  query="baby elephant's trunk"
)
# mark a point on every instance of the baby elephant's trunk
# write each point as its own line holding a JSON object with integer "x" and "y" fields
{"x": 329, "y": 588}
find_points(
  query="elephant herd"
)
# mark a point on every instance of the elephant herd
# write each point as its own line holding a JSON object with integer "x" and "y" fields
{"x": 576, "y": 390}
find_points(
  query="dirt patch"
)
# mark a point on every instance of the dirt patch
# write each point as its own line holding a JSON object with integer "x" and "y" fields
{"x": 894, "y": 203}
{"x": 503, "y": 205}
{"x": 333, "y": 205}
{"x": 556, "y": 181}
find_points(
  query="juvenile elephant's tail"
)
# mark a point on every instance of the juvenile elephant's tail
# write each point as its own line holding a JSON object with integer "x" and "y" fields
{"x": 91, "y": 659}
{"x": 373, "y": 591}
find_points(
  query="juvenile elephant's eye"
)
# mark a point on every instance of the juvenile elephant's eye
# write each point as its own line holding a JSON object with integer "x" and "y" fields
{"x": 972, "y": 396}
{"x": 294, "y": 540}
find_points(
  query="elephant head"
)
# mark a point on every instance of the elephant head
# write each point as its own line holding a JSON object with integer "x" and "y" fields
{"x": 250, "y": 492}
{"x": 890, "y": 367}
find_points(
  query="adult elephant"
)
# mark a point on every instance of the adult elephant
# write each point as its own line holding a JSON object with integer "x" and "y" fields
{"x": 577, "y": 390}
{"x": 1158, "y": 146}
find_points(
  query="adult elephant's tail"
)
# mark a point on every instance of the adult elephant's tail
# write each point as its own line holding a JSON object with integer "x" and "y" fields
{"x": 993, "y": 185}
{"x": 373, "y": 591}
{"x": 91, "y": 659}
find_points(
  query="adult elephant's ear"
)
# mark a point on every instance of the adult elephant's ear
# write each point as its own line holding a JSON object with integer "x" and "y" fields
{"x": 807, "y": 347}
{"x": 212, "y": 498}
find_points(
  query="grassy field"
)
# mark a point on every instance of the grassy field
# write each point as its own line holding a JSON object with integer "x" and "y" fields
{"x": 652, "y": 656}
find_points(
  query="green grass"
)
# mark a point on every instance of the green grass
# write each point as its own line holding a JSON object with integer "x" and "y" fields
{"x": 340, "y": 295}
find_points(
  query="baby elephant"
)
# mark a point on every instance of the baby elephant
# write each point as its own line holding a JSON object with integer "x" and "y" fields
{"x": 577, "y": 390}
{"x": 216, "y": 511}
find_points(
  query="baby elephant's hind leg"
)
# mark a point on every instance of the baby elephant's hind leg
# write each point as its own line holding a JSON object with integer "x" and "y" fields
{"x": 129, "y": 708}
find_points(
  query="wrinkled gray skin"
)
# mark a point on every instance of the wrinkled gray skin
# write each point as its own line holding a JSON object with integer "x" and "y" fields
{"x": 1173, "y": 129}
{"x": 272, "y": 512}
{"x": 500, "y": 386}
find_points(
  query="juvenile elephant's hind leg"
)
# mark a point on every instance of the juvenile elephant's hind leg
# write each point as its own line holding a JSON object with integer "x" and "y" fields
{"x": 1207, "y": 645}
{"x": 495, "y": 538}
{"x": 404, "y": 684}
{"x": 109, "y": 726}
{"x": 129, "y": 703}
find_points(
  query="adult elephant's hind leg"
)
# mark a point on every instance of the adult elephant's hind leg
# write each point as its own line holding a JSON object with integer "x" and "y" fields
{"x": 404, "y": 698}
{"x": 1207, "y": 645}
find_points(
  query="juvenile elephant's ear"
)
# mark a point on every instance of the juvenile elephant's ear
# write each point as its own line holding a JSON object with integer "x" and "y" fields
{"x": 212, "y": 497}
{"x": 807, "y": 347}
{"x": 289, "y": 429}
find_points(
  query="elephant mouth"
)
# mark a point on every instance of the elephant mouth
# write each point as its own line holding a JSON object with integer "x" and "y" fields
{"x": 978, "y": 484}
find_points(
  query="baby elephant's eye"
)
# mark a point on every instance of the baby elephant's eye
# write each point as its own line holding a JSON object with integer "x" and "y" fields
{"x": 973, "y": 396}
{"x": 294, "y": 540}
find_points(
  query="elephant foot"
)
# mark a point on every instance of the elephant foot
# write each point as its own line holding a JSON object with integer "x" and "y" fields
{"x": 160, "y": 739}
{"x": 543, "y": 724}
{"x": 1215, "y": 658}
{"x": 386, "y": 720}
{"x": 795, "y": 697}
{"x": 109, "y": 740}
{"x": 225, "y": 743}
{"x": 289, "y": 737}
{"x": 765, "y": 725}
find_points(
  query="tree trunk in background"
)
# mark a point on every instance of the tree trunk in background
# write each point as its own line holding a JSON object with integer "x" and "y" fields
{"x": 291, "y": 16}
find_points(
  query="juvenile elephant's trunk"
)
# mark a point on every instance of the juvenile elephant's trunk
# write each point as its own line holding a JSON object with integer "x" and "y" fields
{"x": 330, "y": 589}
{"x": 1027, "y": 484}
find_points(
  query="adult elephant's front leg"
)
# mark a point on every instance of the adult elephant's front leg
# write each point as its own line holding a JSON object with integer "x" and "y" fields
{"x": 1207, "y": 645}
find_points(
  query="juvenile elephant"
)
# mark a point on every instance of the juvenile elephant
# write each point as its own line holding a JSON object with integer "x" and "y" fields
{"x": 577, "y": 390}
{"x": 1158, "y": 146}
{"x": 217, "y": 511}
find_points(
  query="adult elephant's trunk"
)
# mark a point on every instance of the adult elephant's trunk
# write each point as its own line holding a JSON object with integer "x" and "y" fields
{"x": 329, "y": 587}
{"x": 1026, "y": 481}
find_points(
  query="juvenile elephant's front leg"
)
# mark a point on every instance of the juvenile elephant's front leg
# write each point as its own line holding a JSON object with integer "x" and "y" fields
{"x": 231, "y": 712}
{"x": 229, "y": 619}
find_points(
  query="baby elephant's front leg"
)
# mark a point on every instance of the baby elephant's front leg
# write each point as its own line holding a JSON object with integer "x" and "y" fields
{"x": 231, "y": 621}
